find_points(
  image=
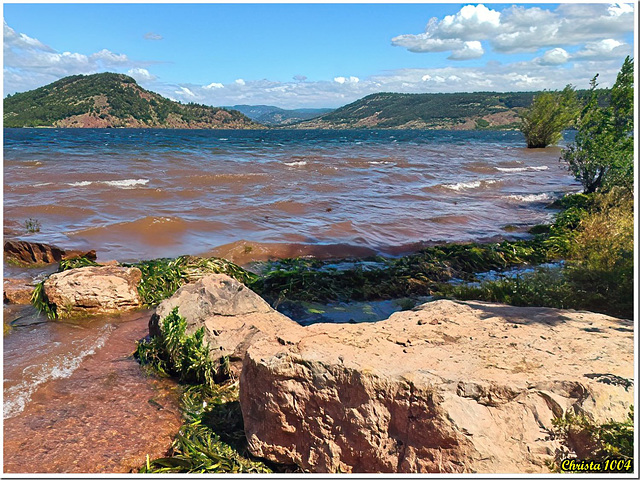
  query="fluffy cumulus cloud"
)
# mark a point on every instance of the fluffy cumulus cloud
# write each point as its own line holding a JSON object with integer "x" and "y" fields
{"x": 141, "y": 75}
{"x": 555, "y": 56}
{"x": 343, "y": 80}
{"x": 29, "y": 63}
{"x": 469, "y": 50}
{"x": 520, "y": 29}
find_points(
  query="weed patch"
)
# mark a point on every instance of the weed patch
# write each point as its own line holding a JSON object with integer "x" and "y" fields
{"x": 212, "y": 439}
{"x": 581, "y": 437}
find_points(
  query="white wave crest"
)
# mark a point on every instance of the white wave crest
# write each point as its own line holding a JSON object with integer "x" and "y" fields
{"x": 522, "y": 169}
{"x": 128, "y": 183}
{"x": 18, "y": 396}
{"x": 301, "y": 163}
{"x": 533, "y": 197}
{"x": 468, "y": 185}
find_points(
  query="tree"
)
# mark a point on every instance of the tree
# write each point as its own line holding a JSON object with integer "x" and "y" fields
{"x": 602, "y": 155}
{"x": 549, "y": 114}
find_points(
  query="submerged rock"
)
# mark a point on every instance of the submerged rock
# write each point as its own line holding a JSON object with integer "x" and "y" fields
{"x": 94, "y": 290}
{"x": 33, "y": 253}
{"x": 446, "y": 387}
{"x": 17, "y": 291}
{"x": 233, "y": 316}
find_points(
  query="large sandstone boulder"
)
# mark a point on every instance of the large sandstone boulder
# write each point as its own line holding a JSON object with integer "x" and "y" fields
{"x": 233, "y": 316}
{"x": 94, "y": 290}
{"x": 447, "y": 387}
{"x": 33, "y": 253}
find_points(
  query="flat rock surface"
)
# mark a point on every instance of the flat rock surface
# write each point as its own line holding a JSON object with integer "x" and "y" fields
{"x": 447, "y": 387}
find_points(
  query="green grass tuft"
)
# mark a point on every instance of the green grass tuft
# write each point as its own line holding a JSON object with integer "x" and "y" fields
{"x": 77, "y": 262}
{"x": 162, "y": 277}
{"x": 175, "y": 353}
{"x": 40, "y": 301}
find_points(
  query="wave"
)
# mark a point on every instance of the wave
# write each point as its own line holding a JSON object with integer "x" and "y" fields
{"x": 533, "y": 197}
{"x": 301, "y": 163}
{"x": 468, "y": 185}
{"x": 522, "y": 169}
{"x": 18, "y": 396}
{"x": 128, "y": 183}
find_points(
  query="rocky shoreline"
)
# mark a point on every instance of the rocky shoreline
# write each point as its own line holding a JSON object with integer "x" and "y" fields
{"x": 446, "y": 386}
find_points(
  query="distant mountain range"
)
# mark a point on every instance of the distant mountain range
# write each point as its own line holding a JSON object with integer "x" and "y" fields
{"x": 275, "y": 116}
{"x": 107, "y": 100}
{"x": 114, "y": 100}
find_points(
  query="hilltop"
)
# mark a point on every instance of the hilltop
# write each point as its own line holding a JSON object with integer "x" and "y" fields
{"x": 455, "y": 111}
{"x": 276, "y": 116}
{"x": 107, "y": 100}
{"x": 458, "y": 111}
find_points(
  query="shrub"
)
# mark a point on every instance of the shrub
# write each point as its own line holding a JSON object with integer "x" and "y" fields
{"x": 546, "y": 118}
{"x": 582, "y": 437}
{"x": 602, "y": 155}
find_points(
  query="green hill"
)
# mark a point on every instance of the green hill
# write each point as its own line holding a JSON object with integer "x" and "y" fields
{"x": 106, "y": 100}
{"x": 458, "y": 111}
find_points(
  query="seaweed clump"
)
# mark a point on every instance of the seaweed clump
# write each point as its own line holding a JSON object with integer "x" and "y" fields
{"x": 212, "y": 438}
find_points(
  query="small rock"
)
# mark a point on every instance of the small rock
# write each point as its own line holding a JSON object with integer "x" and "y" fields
{"x": 17, "y": 291}
{"x": 33, "y": 253}
{"x": 94, "y": 290}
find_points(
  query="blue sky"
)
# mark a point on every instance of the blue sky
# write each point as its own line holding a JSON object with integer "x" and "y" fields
{"x": 317, "y": 55}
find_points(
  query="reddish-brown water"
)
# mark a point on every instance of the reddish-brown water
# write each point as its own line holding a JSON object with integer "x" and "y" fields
{"x": 76, "y": 401}
{"x": 136, "y": 194}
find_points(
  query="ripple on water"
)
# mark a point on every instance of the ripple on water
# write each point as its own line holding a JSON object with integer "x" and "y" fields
{"x": 84, "y": 405}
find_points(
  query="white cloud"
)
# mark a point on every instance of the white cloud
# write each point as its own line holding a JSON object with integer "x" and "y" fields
{"x": 110, "y": 57}
{"x": 153, "y": 36}
{"x": 604, "y": 49}
{"x": 29, "y": 63}
{"x": 555, "y": 56}
{"x": 423, "y": 43}
{"x": 346, "y": 80}
{"x": 241, "y": 81}
{"x": 141, "y": 75}
{"x": 213, "y": 85}
{"x": 12, "y": 39}
{"x": 519, "y": 28}
{"x": 186, "y": 92}
{"x": 470, "y": 50}
{"x": 470, "y": 22}
{"x": 620, "y": 9}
